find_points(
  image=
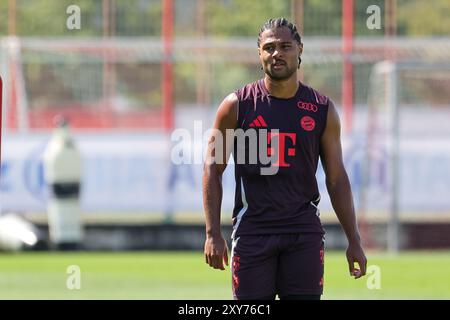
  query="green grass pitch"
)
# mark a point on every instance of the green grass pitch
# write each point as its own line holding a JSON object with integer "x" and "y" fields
{"x": 184, "y": 275}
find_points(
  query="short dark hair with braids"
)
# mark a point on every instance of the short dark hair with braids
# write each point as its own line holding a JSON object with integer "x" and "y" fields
{"x": 277, "y": 23}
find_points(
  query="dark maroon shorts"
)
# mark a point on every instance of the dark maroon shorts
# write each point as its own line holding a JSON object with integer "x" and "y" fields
{"x": 264, "y": 266}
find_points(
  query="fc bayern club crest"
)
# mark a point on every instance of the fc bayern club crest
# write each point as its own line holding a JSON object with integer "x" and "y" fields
{"x": 308, "y": 123}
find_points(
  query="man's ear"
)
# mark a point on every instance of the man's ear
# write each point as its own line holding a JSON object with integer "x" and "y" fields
{"x": 300, "y": 51}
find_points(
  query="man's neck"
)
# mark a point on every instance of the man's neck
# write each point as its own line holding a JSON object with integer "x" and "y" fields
{"x": 283, "y": 89}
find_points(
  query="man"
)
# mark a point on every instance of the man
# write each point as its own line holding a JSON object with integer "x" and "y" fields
{"x": 277, "y": 234}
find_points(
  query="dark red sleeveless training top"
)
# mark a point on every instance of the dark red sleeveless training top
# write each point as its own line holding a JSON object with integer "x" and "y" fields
{"x": 288, "y": 130}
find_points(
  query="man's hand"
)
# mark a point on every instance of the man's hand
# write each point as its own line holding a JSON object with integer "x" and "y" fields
{"x": 216, "y": 252}
{"x": 355, "y": 253}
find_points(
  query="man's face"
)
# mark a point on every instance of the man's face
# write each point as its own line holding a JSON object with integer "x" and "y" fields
{"x": 279, "y": 53}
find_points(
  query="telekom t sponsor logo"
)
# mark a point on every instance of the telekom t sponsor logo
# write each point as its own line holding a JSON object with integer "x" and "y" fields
{"x": 281, "y": 152}
{"x": 269, "y": 148}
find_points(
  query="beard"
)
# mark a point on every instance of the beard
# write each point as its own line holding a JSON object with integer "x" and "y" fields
{"x": 280, "y": 75}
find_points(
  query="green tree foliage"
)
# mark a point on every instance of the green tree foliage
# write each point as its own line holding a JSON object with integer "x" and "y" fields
{"x": 424, "y": 18}
{"x": 224, "y": 18}
{"x": 138, "y": 18}
{"x": 322, "y": 18}
{"x": 242, "y": 18}
{"x": 48, "y": 18}
{"x": 3, "y": 17}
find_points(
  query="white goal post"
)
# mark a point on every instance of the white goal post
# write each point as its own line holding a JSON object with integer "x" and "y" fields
{"x": 408, "y": 104}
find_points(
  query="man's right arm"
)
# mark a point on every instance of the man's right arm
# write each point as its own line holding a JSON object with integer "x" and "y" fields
{"x": 216, "y": 250}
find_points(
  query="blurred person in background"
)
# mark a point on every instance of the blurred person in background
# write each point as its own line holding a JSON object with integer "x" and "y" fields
{"x": 278, "y": 239}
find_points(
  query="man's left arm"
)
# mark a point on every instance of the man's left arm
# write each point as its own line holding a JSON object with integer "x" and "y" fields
{"x": 338, "y": 186}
